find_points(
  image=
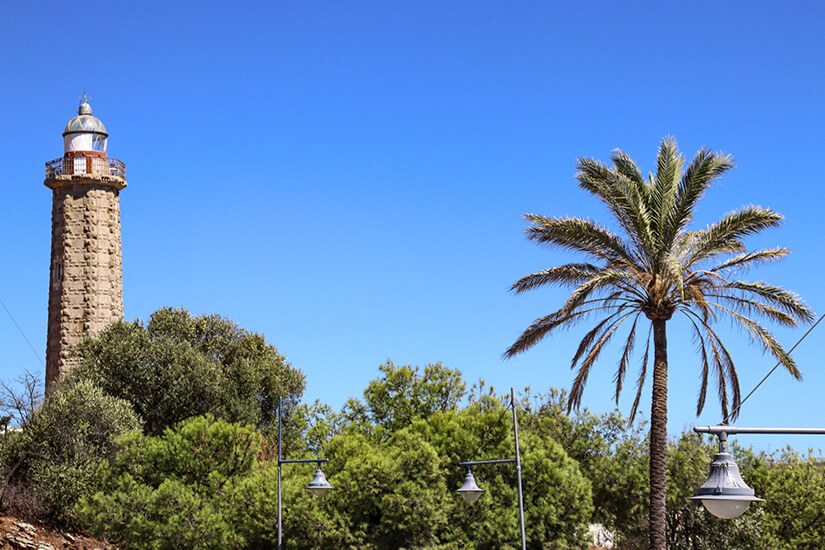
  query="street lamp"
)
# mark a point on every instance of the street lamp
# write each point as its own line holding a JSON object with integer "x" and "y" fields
{"x": 318, "y": 486}
{"x": 470, "y": 491}
{"x": 724, "y": 493}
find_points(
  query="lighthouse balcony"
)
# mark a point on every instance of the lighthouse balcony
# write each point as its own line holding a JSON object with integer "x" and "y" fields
{"x": 79, "y": 164}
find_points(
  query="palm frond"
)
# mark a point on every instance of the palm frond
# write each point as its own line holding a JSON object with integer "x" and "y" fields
{"x": 725, "y": 236}
{"x": 569, "y": 274}
{"x": 606, "y": 278}
{"x": 627, "y": 167}
{"x": 579, "y": 235}
{"x": 543, "y": 326}
{"x": 703, "y": 388}
{"x": 640, "y": 381}
{"x": 729, "y": 373}
{"x": 587, "y": 341}
{"x": 750, "y": 307}
{"x": 669, "y": 163}
{"x": 705, "y": 167}
{"x": 785, "y": 300}
{"x": 767, "y": 340}
{"x": 596, "y": 349}
{"x": 723, "y": 366}
{"x": 748, "y": 259}
{"x": 625, "y": 199}
{"x": 695, "y": 297}
{"x": 675, "y": 272}
{"x": 626, "y": 354}
{"x": 719, "y": 369}
{"x": 537, "y": 330}
{"x": 566, "y": 316}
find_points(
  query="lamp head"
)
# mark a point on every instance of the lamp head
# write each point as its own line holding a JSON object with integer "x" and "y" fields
{"x": 470, "y": 491}
{"x": 724, "y": 493}
{"x": 319, "y": 484}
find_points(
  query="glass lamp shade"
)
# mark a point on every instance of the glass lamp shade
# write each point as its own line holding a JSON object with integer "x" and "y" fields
{"x": 319, "y": 484}
{"x": 470, "y": 491}
{"x": 726, "y": 509}
{"x": 724, "y": 493}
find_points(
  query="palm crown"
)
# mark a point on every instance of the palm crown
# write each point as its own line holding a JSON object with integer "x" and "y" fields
{"x": 657, "y": 267}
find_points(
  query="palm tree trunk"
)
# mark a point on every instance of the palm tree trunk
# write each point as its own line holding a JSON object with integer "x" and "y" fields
{"x": 658, "y": 439}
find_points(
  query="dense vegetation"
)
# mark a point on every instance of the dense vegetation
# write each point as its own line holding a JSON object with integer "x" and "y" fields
{"x": 177, "y": 366}
{"x": 88, "y": 458}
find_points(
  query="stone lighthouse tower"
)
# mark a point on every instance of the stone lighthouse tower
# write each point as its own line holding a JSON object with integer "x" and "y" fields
{"x": 86, "y": 284}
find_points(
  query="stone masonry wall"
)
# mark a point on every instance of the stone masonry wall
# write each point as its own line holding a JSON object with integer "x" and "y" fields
{"x": 86, "y": 284}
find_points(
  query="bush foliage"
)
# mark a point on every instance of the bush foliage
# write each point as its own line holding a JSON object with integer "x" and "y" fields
{"x": 178, "y": 366}
{"x": 393, "y": 456}
{"x": 59, "y": 454}
{"x": 170, "y": 491}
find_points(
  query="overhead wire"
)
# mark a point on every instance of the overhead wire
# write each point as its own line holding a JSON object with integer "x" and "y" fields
{"x": 309, "y": 427}
{"x": 13, "y": 320}
{"x": 490, "y": 429}
{"x": 735, "y": 411}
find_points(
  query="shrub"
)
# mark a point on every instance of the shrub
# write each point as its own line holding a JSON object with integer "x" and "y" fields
{"x": 59, "y": 455}
{"x": 171, "y": 491}
{"x": 220, "y": 368}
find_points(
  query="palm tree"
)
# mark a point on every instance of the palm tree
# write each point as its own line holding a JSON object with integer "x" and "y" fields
{"x": 653, "y": 269}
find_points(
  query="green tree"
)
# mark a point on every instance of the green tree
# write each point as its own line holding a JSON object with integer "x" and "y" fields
{"x": 177, "y": 366}
{"x": 656, "y": 269}
{"x": 611, "y": 454}
{"x": 57, "y": 457}
{"x": 172, "y": 490}
{"x": 405, "y": 461}
{"x": 398, "y": 492}
{"x": 405, "y": 393}
{"x": 558, "y": 501}
{"x": 793, "y": 486}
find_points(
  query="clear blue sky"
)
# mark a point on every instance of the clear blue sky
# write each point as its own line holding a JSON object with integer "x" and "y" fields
{"x": 348, "y": 177}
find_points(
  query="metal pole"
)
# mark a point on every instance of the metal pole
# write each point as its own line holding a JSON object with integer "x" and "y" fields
{"x": 732, "y": 430}
{"x": 477, "y": 462}
{"x": 279, "y": 473}
{"x": 518, "y": 471}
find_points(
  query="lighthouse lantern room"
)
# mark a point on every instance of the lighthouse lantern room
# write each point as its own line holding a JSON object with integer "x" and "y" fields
{"x": 84, "y": 147}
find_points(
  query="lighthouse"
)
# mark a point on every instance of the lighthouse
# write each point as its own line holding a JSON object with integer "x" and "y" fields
{"x": 86, "y": 283}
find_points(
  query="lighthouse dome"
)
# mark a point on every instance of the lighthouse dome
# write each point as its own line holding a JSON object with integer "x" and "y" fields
{"x": 85, "y": 123}
{"x": 85, "y": 132}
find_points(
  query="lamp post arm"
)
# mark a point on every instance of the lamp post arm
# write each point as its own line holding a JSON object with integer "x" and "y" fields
{"x": 303, "y": 460}
{"x": 732, "y": 430}
{"x": 477, "y": 462}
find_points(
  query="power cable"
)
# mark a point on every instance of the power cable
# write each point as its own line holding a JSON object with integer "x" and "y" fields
{"x": 735, "y": 411}
{"x": 309, "y": 427}
{"x": 490, "y": 429}
{"x": 22, "y": 333}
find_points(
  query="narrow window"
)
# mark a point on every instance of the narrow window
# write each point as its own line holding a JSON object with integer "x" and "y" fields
{"x": 57, "y": 273}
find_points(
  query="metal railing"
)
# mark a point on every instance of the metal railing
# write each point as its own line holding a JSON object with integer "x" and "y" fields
{"x": 85, "y": 165}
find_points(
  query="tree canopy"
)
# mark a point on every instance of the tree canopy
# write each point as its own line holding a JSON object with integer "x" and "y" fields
{"x": 56, "y": 459}
{"x": 213, "y": 484}
{"x": 177, "y": 366}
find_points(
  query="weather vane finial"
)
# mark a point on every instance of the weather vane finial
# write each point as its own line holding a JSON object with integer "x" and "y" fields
{"x": 85, "y": 108}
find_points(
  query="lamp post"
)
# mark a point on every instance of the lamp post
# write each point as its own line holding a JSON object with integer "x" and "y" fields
{"x": 318, "y": 486}
{"x": 724, "y": 493}
{"x": 470, "y": 491}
